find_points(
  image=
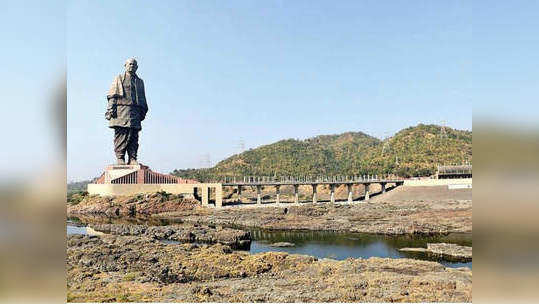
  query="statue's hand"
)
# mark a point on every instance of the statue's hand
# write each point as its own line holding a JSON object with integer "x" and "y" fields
{"x": 110, "y": 114}
{"x": 111, "y": 110}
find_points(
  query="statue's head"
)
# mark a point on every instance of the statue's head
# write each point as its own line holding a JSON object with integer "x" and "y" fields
{"x": 131, "y": 65}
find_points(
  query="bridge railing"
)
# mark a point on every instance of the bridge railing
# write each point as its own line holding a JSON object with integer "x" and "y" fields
{"x": 305, "y": 179}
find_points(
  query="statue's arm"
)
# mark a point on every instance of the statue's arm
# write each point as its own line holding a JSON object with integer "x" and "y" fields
{"x": 111, "y": 109}
{"x": 114, "y": 92}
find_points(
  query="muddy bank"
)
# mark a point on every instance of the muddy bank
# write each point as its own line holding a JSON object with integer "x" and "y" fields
{"x": 138, "y": 205}
{"x": 236, "y": 239}
{"x": 453, "y": 251}
{"x": 129, "y": 268}
{"x": 395, "y": 218}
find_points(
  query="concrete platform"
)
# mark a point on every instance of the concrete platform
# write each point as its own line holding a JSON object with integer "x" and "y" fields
{"x": 202, "y": 190}
{"x": 437, "y": 182}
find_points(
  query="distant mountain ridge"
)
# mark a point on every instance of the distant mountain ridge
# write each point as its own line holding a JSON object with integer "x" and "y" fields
{"x": 414, "y": 151}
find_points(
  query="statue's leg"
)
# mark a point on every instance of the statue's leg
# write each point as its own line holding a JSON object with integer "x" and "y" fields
{"x": 121, "y": 137}
{"x": 132, "y": 146}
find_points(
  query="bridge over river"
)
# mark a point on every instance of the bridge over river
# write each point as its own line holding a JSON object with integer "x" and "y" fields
{"x": 314, "y": 182}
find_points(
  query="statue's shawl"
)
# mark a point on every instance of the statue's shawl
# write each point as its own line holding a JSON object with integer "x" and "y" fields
{"x": 116, "y": 89}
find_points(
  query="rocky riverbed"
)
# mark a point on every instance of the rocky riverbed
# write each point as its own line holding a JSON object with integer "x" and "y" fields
{"x": 452, "y": 251}
{"x": 167, "y": 248}
{"x": 399, "y": 214}
{"x": 139, "y": 268}
{"x": 136, "y": 205}
{"x": 236, "y": 239}
{"x": 395, "y": 218}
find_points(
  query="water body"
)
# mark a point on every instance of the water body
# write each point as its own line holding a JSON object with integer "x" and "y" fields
{"x": 79, "y": 229}
{"x": 334, "y": 245}
{"x": 76, "y": 230}
{"x": 340, "y": 246}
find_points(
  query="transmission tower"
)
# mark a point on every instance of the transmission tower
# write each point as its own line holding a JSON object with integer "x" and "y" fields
{"x": 443, "y": 134}
{"x": 241, "y": 145}
{"x": 205, "y": 161}
{"x": 386, "y": 146}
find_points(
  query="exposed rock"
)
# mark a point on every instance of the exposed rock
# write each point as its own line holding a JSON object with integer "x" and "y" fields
{"x": 142, "y": 204}
{"x": 386, "y": 217}
{"x": 114, "y": 268}
{"x": 395, "y": 218}
{"x": 446, "y": 250}
{"x": 283, "y": 244}
{"x": 236, "y": 239}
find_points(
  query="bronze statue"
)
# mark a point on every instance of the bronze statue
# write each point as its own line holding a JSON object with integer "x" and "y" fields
{"x": 125, "y": 110}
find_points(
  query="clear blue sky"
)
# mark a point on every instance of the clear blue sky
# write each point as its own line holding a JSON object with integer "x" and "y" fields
{"x": 217, "y": 72}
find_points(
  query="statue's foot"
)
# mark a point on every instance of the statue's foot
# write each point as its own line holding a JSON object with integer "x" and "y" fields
{"x": 133, "y": 162}
{"x": 121, "y": 161}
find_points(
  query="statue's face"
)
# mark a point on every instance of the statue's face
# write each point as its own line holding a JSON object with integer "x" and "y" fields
{"x": 131, "y": 66}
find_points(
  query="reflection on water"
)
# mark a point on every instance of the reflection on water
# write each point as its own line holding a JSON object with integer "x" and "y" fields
{"x": 321, "y": 244}
{"x": 339, "y": 246}
{"x": 169, "y": 242}
{"x": 79, "y": 229}
{"x": 76, "y": 230}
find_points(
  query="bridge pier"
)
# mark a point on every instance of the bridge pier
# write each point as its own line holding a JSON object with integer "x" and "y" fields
{"x": 367, "y": 194}
{"x": 296, "y": 194}
{"x": 218, "y": 197}
{"x": 205, "y": 196}
{"x": 333, "y": 183}
{"x": 259, "y": 194}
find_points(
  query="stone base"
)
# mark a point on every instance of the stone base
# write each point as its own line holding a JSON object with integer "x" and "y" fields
{"x": 124, "y": 180}
{"x": 138, "y": 174}
{"x": 202, "y": 190}
{"x": 114, "y": 171}
{"x": 126, "y": 167}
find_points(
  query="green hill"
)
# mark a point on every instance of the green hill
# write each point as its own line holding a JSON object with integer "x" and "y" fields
{"x": 414, "y": 151}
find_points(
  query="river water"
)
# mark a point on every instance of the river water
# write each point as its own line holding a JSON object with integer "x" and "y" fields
{"x": 339, "y": 246}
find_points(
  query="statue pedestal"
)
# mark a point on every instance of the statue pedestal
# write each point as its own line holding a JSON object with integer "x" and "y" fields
{"x": 113, "y": 172}
{"x": 138, "y": 174}
{"x": 119, "y": 180}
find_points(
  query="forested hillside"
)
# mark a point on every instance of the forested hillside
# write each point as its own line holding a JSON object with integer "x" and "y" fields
{"x": 414, "y": 151}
